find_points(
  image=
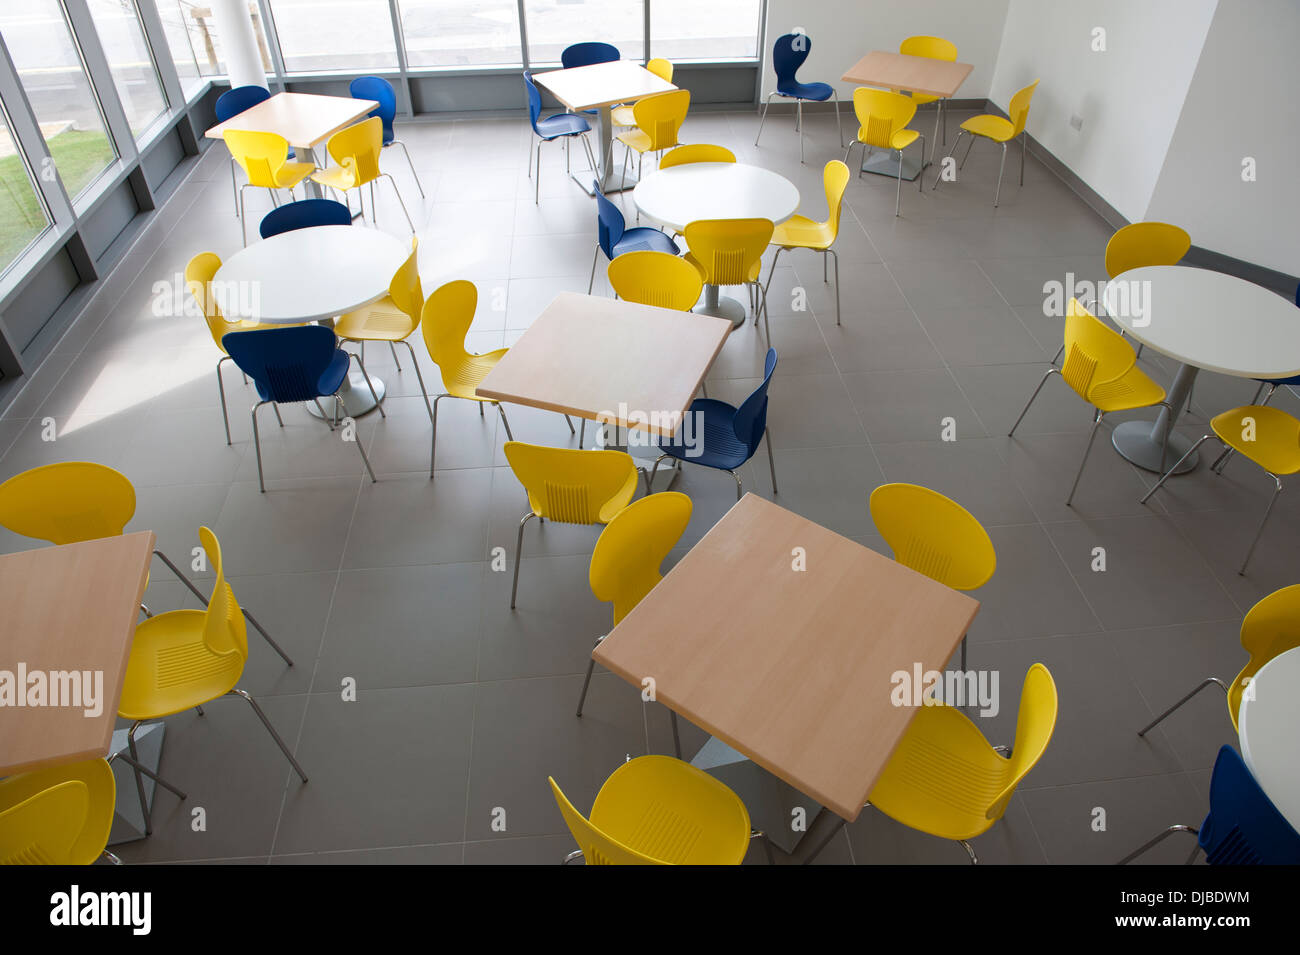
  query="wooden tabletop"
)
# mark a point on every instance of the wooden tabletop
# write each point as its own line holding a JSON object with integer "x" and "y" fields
{"x": 602, "y": 84}
{"x": 790, "y": 667}
{"x": 305, "y": 119}
{"x": 610, "y": 360}
{"x": 917, "y": 74}
{"x": 68, "y": 608}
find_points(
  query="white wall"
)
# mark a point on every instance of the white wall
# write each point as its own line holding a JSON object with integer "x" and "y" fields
{"x": 1241, "y": 103}
{"x": 1128, "y": 96}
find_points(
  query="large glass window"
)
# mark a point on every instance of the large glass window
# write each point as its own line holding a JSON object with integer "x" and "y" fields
{"x": 555, "y": 24}
{"x": 130, "y": 61}
{"x": 22, "y": 213}
{"x": 50, "y": 68}
{"x": 461, "y": 32}
{"x": 338, "y": 36}
{"x": 709, "y": 30}
{"x": 185, "y": 42}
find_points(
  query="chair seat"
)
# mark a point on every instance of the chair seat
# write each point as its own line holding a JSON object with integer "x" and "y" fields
{"x": 171, "y": 669}
{"x": 637, "y": 139}
{"x": 754, "y": 272}
{"x": 620, "y": 499}
{"x": 1276, "y": 444}
{"x": 812, "y": 91}
{"x": 292, "y": 173}
{"x": 943, "y": 777}
{"x": 800, "y": 232}
{"x": 1135, "y": 389}
{"x": 562, "y": 124}
{"x": 992, "y": 127}
{"x": 718, "y": 445}
{"x": 462, "y": 380}
{"x": 622, "y": 116}
{"x": 903, "y": 138}
{"x": 380, "y": 321}
{"x": 644, "y": 239}
{"x": 336, "y": 177}
{"x": 328, "y": 383}
{"x": 1295, "y": 380}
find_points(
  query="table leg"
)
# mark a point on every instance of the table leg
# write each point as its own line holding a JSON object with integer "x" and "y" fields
{"x": 1141, "y": 442}
{"x": 721, "y": 306}
{"x": 610, "y": 177}
{"x": 884, "y": 162}
{"x": 355, "y": 392}
{"x": 310, "y": 187}
{"x": 644, "y": 449}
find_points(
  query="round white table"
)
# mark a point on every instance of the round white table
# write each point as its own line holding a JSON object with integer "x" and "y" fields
{"x": 312, "y": 275}
{"x": 715, "y": 190}
{"x": 1266, "y": 728}
{"x": 1203, "y": 319}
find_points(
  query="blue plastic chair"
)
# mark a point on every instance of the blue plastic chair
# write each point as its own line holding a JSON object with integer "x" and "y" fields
{"x": 379, "y": 89}
{"x": 292, "y": 364}
{"x": 1243, "y": 826}
{"x": 304, "y": 214}
{"x": 788, "y": 55}
{"x": 559, "y": 126}
{"x": 613, "y": 237}
{"x": 725, "y": 437}
{"x": 231, "y": 103}
{"x": 588, "y": 54}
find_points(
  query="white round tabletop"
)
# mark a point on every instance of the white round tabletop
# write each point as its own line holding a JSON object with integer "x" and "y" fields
{"x": 308, "y": 274}
{"x": 714, "y": 190}
{"x": 1266, "y": 728}
{"x": 1208, "y": 319}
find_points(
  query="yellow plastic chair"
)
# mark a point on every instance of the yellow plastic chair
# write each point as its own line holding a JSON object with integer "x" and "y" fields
{"x": 934, "y": 535}
{"x": 623, "y": 115}
{"x": 60, "y": 815}
{"x": 934, "y": 48}
{"x": 1266, "y": 435}
{"x": 1145, "y": 243}
{"x": 656, "y": 810}
{"x": 659, "y": 118}
{"x": 1102, "y": 369}
{"x": 264, "y": 157}
{"x": 569, "y": 486}
{"x": 696, "y": 152}
{"x": 998, "y": 130}
{"x": 730, "y": 252}
{"x": 392, "y": 319}
{"x": 800, "y": 232}
{"x": 882, "y": 124}
{"x": 656, "y": 278}
{"x": 184, "y": 658}
{"x": 946, "y": 780}
{"x": 356, "y": 150}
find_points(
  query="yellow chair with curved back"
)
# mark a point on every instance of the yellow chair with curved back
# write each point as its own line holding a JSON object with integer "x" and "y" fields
{"x": 60, "y": 815}
{"x": 934, "y": 535}
{"x": 623, "y": 115}
{"x": 264, "y": 157}
{"x": 1140, "y": 244}
{"x": 356, "y": 150}
{"x": 998, "y": 130}
{"x": 800, "y": 232}
{"x": 1101, "y": 368}
{"x": 656, "y": 278}
{"x": 730, "y": 252}
{"x": 882, "y": 124}
{"x": 659, "y": 119}
{"x": 696, "y": 152}
{"x": 946, "y": 780}
{"x": 569, "y": 486}
{"x": 933, "y": 48}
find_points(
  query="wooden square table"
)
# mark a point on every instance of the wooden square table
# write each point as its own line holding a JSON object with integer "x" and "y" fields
{"x": 916, "y": 74}
{"x": 791, "y": 667}
{"x": 602, "y": 86}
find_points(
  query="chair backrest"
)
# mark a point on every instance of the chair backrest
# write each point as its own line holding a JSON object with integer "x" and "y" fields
{"x": 287, "y": 363}
{"x": 750, "y": 419}
{"x": 934, "y": 47}
{"x": 260, "y": 155}
{"x": 444, "y": 322}
{"x": 1145, "y": 243}
{"x": 569, "y": 485}
{"x": 358, "y": 146}
{"x": 405, "y": 289}
{"x": 933, "y": 535}
{"x": 237, "y": 99}
{"x": 1243, "y": 826}
{"x": 881, "y": 114}
{"x": 1271, "y": 627}
{"x": 727, "y": 249}
{"x": 661, "y": 116}
{"x": 661, "y": 68}
{"x": 67, "y": 502}
{"x": 42, "y": 829}
{"x": 1035, "y": 722}
{"x": 597, "y": 848}
{"x": 610, "y": 225}
{"x": 198, "y": 282}
{"x": 788, "y": 54}
{"x": 534, "y": 100}
{"x": 381, "y": 91}
{"x": 224, "y": 630}
{"x": 1095, "y": 354}
{"x": 586, "y": 54}
{"x": 632, "y": 547}
{"x": 656, "y": 278}
{"x": 1019, "y": 108}
{"x": 303, "y": 214}
{"x": 696, "y": 152}
{"x": 835, "y": 180}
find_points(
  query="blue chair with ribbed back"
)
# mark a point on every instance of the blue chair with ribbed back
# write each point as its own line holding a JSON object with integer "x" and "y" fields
{"x": 233, "y": 102}
{"x": 1243, "y": 826}
{"x": 559, "y": 126}
{"x": 613, "y": 237}
{"x": 304, "y": 214}
{"x": 725, "y": 437}
{"x": 788, "y": 55}
{"x": 381, "y": 91}
{"x": 293, "y": 364}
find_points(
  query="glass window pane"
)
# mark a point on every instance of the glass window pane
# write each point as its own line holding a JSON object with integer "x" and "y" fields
{"x": 338, "y": 36}
{"x": 555, "y": 24}
{"x": 186, "y": 47}
{"x": 461, "y": 32}
{"x": 130, "y": 61}
{"x": 22, "y": 213}
{"x": 50, "y": 68}
{"x": 716, "y": 30}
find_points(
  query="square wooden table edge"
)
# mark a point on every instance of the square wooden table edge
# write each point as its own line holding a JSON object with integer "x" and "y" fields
{"x": 216, "y": 131}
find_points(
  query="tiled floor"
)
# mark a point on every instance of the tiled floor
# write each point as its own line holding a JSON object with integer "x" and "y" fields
{"x": 463, "y": 708}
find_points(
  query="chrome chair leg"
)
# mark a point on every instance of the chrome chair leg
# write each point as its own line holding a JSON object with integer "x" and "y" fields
{"x": 767, "y": 844}
{"x": 519, "y": 556}
{"x": 898, "y": 191}
{"x": 969, "y": 851}
{"x": 1096, "y": 420}
{"x": 595, "y": 257}
{"x": 1151, "y": 844}
{"x": 1199, "y": 687}
{"x": 504, "y": 420}
{"x": 771, "y": 462}
{"x": 1267, "y": 511}
{"x": 147, "y": 771}
{"x": 234, "y": 187}
{"x": 650, "y": 478}
{"x": 798, "y": 112}
{"x": 276, "y": 408}
{"x": 112, "y": 859}
{"x": 257, "y": 446}
{"x": 392, "y": 347}
{"x": 835, "y": 97}
{"x": 414, "y": 175}
{"x": 1047, "y": 374}
{"x": 677, "y": 739}
{"x": 221, "y": 387}
{"x": 271, "y": 729}
{"x": 369, "y": 384}
{"x": 997, "y": 193}
{"x": 325, "y": 415}
{"x": 419, "y": 377}
{"x": 591, "y": 666}
{"x": 362, "y": 448}
{"x": 938, "y": 176}
{"x": 836, "y": 256}
{"x": 1165, "y": 477}
{"x": 400, "y": 201}
{"x": 739, "y": 490}
{"x": 764, "y": 118}
{"x": 433, "y": 442}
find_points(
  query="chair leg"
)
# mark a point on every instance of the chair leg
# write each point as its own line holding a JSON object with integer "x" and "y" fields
{"x": 392, "y": 347}
{"x": 764, "y": 118}
{"x": 938, "y": 121}
{"x": 771, "y": 462}
{"x": 419, "y": 377}
{"x": 325, "y": 415}
{"x": 271, "y": 729}
{"x": 938, "y": 176}
{"x": 504, "y": 420}
{"x": 677, "y": 738}
{"x": 257, "y": 445}
{"x": 739, "y": 490}
{"x": 519, "y": 555}
{"x": 1151, "y": 844}
{"x": 370, "y": 384}
{"x": 276, "y": 408}
{"x": 1096, "y": 420}
{"x": 835, "y": 97}
{"x": 969, "y": 145}
{"x": 407, "y": 154}
{"x": 1267, "y": 511}
{"x": 362, "y": 448}
{"x": 997, "y": 192}
{"x": 799, "y": 125}
{"x": 243, "y": 225}
{"x": 1047, "y": 374}
{"x": 582, "y": 432}
{"x": 595, "y": 257}
{"x": 836, "y": 256}
{"x": 139, "y": 782}
{"x": 234, "y": 186}
{"x": 969, "y": 851}
{"x": 920, "y": 173}
{"x": 591, "y": 666}
{"x": 898, "y": 192}
{"x": 221, "y": 387}
{"x": 400, "y": 201}
{"x": 1199, "y": 687}
{"x": 1165, "y": 477}
{"x": 650, "y": 478}
{"x": 767, "y": 321}
{"x": 433, "y": 441}
{"x": 141, "y": 767}
{"x": 537, "y": 183}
